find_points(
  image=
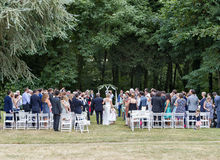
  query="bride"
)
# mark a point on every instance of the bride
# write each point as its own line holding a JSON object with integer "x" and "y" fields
{"x": 107, "y": 107}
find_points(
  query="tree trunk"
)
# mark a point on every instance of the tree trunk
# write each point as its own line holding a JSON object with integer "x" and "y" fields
{"x": 132, "y": 78}
{"x": 210, "y": 83}
{"x": 79, "y": 69}
{"x": 219, "y": 81}
{"x": 103, "y": 67}
{"x": 168, "y": 84}
{"x": 174, "y": 77}
{"x": 145, "y": 78}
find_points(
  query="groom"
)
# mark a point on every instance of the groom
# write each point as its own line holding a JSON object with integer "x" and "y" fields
{"x": 97, "y": 104}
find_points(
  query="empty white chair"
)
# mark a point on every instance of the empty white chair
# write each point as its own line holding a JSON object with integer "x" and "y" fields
{"x": 44, "y": 121}
{"x": 204, "y": 117}
{"x": 21, "y": 120}
{"x": 81, "y": 122}
{"x": 146, "y": 119}
{"x": 32, "y": 121}
{"x": 178, "y": 120}
{"x": 8, "y": 121}
{"x": 190, "y": 120}
{"x": 157, "y": 120}
{"x": 66, "y": 122}
{"x": 134, "y": 119}
{"x": 167, "y": 120}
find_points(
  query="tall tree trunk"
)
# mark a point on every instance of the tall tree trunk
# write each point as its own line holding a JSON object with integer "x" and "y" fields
{"x": 103, "y": 67}
{"x": 145, "y": 78}
{"x": 80, "y": 63}
{"x": 168, "y": 84}
{"x": 210, "y": 83}
{"x": 155, "y": 80}
{"x": 132, "y": 78}
{"x": 174, "y": 77}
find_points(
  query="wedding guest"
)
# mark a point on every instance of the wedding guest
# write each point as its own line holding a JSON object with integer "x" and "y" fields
{"x": 208, "y": 106}
{"x": 50, "y": 93}
{"x": 98, "y": 107}
{"x": 19, "y": 99}
{"x": 113, "y": 115}
{"x": 26, "y": 100}
{"x": 92, "y": 97}
{"x": 192, "y": 101}
{"x": 180, "y": 106}
{"x": 56, "y": 109}
{"x": 46, "y": 104}
{"x": 132, "y": 105}
{"x": 217, "y": 106}
{"x": 65, "y": 105}
{"x": 157, "y": 103}
{"x": 8, "y": 106}
{"x": 119, "y": 102}
{"x": 77, "y": 104}
{"x": 143, "y": 101}
{"x": 202, "y": 101}
{"x": 35, "y": 103}
{"x": 40, "y": 94}
{"x": 173, "y": 98}
{"x": 198, "y": 119}
{"x": 167, "y": 106}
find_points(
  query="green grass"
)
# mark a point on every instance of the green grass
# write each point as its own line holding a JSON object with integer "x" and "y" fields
{"x": 111, "y": 142}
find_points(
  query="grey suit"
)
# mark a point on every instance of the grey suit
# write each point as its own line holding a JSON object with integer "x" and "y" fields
{"x": 57, "y": 110}
{"x": 192, "y": 103}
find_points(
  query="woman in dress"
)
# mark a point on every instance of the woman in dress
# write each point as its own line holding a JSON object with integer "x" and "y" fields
{"x": 208, "y": 106}
{"x": 167, "y": 108}
{"x": 132, "y": 105}
{"x": 107, "y": 107}
{"x": 65, "y": 105}
{"x": 180, "y": 105}
{"x": 46, "y": 105}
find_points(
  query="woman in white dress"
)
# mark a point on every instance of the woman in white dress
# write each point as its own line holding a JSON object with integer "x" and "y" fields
{"x": 107, "y": 107}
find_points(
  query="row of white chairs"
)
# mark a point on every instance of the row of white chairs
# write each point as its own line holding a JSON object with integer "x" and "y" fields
{"x": 146, "y": 119}
{"x": 24, "y": 120}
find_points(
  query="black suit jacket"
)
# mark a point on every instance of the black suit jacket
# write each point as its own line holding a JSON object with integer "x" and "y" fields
{"x": 8, "y": 104}
{"x": 97, "y": 104}
{"x": 77, "y": 106}
{"x": 56, "y": 106}
{"x": 35, "y": 103}
{"x": 157, "y": 104}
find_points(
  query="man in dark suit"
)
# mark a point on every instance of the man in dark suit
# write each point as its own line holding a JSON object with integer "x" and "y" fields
{"x": 56, "y": 110}
{"x": 77, "y": 104}
{"x": 98, "y": 106}
{"x": 50, "y": 93}
{"x": 35, "y": 103}
{"x": 8, "y": 106}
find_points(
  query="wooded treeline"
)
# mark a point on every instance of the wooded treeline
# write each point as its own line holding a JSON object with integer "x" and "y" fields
{"x": 164, "y": 44}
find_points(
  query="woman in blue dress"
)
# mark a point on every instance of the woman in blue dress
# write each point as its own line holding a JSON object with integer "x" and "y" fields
{"x": 167, "y": 108}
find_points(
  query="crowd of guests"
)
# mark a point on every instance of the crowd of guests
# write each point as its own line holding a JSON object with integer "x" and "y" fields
{"x": 56, "y": 102}
{"x": 174, "y": 102}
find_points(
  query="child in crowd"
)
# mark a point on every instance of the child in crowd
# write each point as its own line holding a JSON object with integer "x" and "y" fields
{"x": 198, "y": 120}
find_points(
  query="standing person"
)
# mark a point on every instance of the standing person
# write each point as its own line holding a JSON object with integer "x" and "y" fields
{"x": 202, "y": 101}
{"x": 167, "y": 106}
{"x": 132, "y": 105}
{"x": 180, "y": 106}
{"x": 26, "y": 100}
{"x": 173, "y": 99}
{"x": 192, "y": 101}
{"x": 119, "y": 103}
{"x": 147, "y": 95}
{"x": 86, "y": 100}
{"x": 208, "y": 106}
{"x": 50, "y": 93}
{"x": 143, "y": 101}
{"x": 35, "y": 103}
{"x": 56, "y": 109}
{"x": 40, "y": 95}
{"x": 92, "y": 97}
{"x": 19, "y": 99}
{"x": 77, "y": 104}
{"x": 46, "y": 105}
{"x": 8, "y": 106}
{"x": 163, "y": 97}
{"x": 98, "y": 107}
{"x": 217, "y": 106}
{"x": 157, "y": 103}
{"x": 106, "y": 114}
{"x": 198, "y": 119}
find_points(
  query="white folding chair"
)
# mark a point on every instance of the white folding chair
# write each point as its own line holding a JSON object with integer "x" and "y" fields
{"x": 51, "y": 121}
{"x": 167, "y": 120}
{"x": 81, "y": 122}
{"x": 44, "y": 121}
{"x": 157, "y": 120}
{"x": 190, "y": 120}
{"x": 178, "y": 120}
{"x": 66, "y": 122}
{"x": 32, "y": 121}
{"x": 146, "y": 119}
{"x": 134, "y": 119}
{"x": 204, "y": 117}
{"x": 8, "y": 121}
{"x": 21, "y": 120}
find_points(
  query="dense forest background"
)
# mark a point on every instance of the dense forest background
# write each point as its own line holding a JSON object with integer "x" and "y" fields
{"x": 164, "y": 44}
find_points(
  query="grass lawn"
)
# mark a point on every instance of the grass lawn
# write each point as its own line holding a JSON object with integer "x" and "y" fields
{"x": 113, "y": 142}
